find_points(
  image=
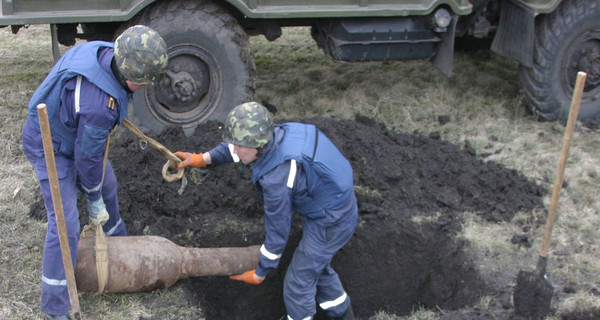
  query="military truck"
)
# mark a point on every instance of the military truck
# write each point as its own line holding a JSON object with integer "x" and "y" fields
{"x": 211, "y": 67}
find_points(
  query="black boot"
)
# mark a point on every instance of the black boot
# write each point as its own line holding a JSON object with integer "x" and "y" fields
{"x": 348, "y": 315}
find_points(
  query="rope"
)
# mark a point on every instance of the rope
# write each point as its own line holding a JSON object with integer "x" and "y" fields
{"x": 171, "y": 157}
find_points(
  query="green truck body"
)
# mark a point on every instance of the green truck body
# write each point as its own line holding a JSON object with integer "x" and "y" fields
{"x": 16, "y": 12}
{"x": 551, "y": 40}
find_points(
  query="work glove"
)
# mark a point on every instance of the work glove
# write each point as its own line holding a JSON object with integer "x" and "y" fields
{"x": 100, "y": 218}
{"x": 194, "y": 160}
{"x": 97, "y": 212}
{"x": 248, "y": 277}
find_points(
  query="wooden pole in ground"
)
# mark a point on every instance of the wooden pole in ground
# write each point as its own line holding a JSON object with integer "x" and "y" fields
{"x": 58, "y": 209}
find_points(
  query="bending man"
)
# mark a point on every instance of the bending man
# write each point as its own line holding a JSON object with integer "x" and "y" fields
{"x": 294, "y": 167}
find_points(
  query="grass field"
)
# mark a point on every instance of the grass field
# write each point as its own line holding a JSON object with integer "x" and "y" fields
{"x": 482, "y": 100}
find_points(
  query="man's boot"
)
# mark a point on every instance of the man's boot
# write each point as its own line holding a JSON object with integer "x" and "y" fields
{"x": 56, "y": 317}
{"x": 348, "y": 315}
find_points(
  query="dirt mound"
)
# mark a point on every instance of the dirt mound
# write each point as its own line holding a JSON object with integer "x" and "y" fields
{"x": 404, "y": 254}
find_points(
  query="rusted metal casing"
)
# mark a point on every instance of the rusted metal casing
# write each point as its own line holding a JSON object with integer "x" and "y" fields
{"x": 147, "y": 263}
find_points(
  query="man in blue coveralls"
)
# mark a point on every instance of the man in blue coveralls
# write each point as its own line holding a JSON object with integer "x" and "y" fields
{"x": 294, "y": 167}
{"x": 86, "y": 94}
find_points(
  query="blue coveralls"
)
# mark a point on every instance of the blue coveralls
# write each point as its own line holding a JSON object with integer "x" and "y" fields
{"x": 84, "y": 102}
{"x": 302, "y": 170}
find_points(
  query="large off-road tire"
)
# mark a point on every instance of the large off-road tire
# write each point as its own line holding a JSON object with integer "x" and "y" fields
{"x": 211, "y": 67}
{"x": 566, "y": 41}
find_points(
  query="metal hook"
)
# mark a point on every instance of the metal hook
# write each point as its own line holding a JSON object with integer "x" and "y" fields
{"x": 143, "y": 144}
{"x": 183, "y": 185}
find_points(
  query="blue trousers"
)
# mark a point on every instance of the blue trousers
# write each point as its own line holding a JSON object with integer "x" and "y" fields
{"x": 310, "y": 279}
{"x": 55, "y": 295}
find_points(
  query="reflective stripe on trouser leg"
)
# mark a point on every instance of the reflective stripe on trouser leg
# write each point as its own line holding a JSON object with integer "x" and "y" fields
{"x": 55, "y": 294}
{"x": 309, "y": 275}
{"x": 307, "y": 318}
{"x": 328, "y": 295}
{"x": 299, "y": 286}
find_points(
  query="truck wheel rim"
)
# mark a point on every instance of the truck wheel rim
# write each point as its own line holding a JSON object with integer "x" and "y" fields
{"x": 190, "y": 90}
{"x": 584, "y": 55}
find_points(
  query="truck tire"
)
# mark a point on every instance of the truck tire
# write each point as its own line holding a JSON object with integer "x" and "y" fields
{"x": 566, "y": 41}
{"x": 211, "y": 67}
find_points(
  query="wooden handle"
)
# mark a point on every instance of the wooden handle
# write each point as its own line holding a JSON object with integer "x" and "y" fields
{"x": 153, "y": 143}
{"x": 575, "y": 102}
{"x": 58, "y": 209}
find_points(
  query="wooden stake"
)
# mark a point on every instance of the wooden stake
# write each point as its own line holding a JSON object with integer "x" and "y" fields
{"x": 58, "y": 209}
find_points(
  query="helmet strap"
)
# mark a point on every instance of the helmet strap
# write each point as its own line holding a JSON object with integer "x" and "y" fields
{"x": 261, "y": 150}
{"x": 122, "y": 80}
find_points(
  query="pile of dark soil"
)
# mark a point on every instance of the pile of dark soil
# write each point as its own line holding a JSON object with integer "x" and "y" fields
{"x": 411, "y": 190}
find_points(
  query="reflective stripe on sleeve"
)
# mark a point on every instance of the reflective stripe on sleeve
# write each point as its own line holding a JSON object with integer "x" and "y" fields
{"x": 267, "y": 254}
{"x": 292, "y": 175}
{"x": 333, "y": 303}
{"x": 97, "y": 188}
{"x": 77, "y": 93}
{"x": 233, "y": 155}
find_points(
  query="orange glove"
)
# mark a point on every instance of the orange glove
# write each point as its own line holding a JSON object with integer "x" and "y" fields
{"x": 194, "y": 160}
{"x": 247, "y": 277}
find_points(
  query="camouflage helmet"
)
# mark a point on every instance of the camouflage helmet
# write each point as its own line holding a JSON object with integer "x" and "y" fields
{"x": 141, "y": 55}
{"x": 248, "y": 125}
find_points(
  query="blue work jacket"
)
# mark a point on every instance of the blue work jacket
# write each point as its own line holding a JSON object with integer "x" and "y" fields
{"x": 85, "y": 101}
{"x": 300, "y": 170}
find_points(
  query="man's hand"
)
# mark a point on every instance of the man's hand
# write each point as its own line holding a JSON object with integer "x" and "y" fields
{"x": 194, "y": 160}
{"x": 99, "y": 218}
{"x": 97, "y": 211}
{"x": 249, "y": 277}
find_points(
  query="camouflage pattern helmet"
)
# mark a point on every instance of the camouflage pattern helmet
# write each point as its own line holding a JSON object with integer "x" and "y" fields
{"x": 248, "y": 125}
{"x": 141, "y": 55}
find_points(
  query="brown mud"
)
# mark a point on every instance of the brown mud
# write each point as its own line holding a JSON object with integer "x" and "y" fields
{"x": 411, "y": 191}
